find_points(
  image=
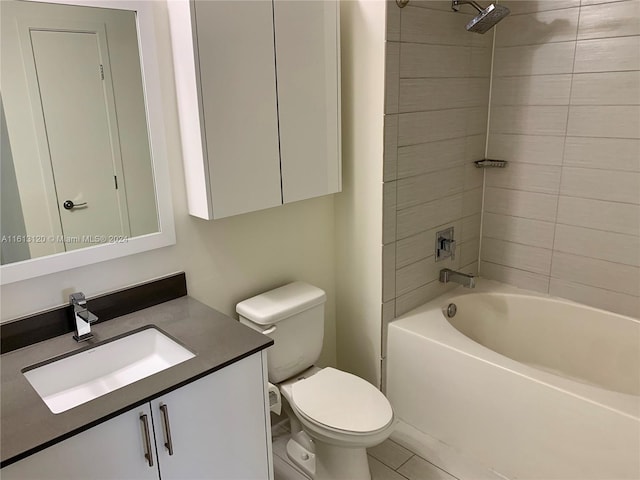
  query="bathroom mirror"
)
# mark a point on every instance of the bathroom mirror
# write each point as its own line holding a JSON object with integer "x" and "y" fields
{"x": 84, "y": 169}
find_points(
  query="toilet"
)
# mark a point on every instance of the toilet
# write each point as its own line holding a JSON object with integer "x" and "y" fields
{"x": 335, "y": 416}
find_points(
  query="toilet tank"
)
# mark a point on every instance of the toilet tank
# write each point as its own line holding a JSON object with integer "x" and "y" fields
{"x": 293, "y": 316}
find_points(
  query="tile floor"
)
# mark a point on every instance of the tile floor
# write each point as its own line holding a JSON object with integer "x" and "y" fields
{"x": 387, "y": 461}
{"x": 390, "y": 461}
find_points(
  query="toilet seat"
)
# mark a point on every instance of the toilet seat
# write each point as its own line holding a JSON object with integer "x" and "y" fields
{"x": 341, "y": 401}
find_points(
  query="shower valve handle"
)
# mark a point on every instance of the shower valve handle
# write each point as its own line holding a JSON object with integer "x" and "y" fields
{"x": 448, "y": 245}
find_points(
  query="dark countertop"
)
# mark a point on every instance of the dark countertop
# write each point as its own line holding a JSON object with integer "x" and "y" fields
{"x": 27, "y": 423}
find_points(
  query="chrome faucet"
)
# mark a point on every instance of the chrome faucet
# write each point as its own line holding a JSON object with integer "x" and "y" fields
{"x": 83, "y": 317}
{"x": 447, "y": 275}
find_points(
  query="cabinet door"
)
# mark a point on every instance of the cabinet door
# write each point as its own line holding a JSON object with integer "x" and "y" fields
{"x": 113, "y": 449}
{"x": 215, "y": 426}
{"x": 307, "y": 54}
{"x": 238, "y": 88}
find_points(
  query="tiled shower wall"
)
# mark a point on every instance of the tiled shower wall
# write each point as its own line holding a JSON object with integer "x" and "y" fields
{"x": 564, "y": 216}
{"x": 437, "y": 95}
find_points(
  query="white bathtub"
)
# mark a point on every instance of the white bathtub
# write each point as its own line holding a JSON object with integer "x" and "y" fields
{"x": 530, "y": 386}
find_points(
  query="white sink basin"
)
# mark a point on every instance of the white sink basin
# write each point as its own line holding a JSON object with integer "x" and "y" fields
{"x": 78, "y": 378}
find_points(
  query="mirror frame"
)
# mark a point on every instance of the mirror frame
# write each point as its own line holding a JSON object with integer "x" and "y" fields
{"x": 35, "y": 267}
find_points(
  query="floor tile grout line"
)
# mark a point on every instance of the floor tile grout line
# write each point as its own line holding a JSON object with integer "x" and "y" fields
{"x": 405, "y": 462}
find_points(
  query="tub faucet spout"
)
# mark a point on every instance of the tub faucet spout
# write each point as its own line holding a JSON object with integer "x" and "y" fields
{"x": 447, "y": 275}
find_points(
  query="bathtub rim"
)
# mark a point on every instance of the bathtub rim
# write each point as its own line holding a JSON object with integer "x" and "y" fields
{"x": 429, "y": 322}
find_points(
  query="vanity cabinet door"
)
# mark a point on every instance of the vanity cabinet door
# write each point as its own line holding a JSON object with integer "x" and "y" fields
{"x": 215, "y": 427}
{"x": 114, "y": 449}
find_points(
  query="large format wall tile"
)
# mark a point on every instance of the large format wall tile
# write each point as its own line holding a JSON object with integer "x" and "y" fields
{"x": 532, "y": 90}
{"x": 420, "y": 273}
{"x": 420, "y": 295}
{"x": 431, "y": 186}
{"x": 517, "y": 203}
{"x": 421, "y": 127}
{"x": 417, "y": 94}
{"x": 513, "y": 276}
{"x": 554, "y": 58}
{"x": 392, "y": 77}
{"x": 608, "y": 88}
{"x": 607, "y": 55}
{"x": 433, "y": 156}
{"x": 596, "y": 297}
{"x": 531, "y": 6}
{"x": 393, "y": 21}
{"x": 389, "y": 202}
{"x": 614, "y": 186}
{"x": 541, "y": 27}
{"x": 604, "y": 121}
{"x": 390, "y": 160}
{"x": 429, "y": 61}
{"x": 526, "y": 231}
{"x": 586, "y": 242}
{"x": 422, "y": 245}
{"x": 438, "y": 27}
{"x": 603, "y": 153}
{"x": 600, "y": 215}
{"x": 438, "y": 82}
{"x": 565, "y": 114}
{"x": 597, "y": 273}
{"x": 572, "y": 186}
{"x": 515, "y": 255}
{"x": 617, "y": 19}
{"x": 538, "y": 149}
{"x": 525, "y": 177}
{"x": 421, "y": 217}
{"x": 529, "y": 120}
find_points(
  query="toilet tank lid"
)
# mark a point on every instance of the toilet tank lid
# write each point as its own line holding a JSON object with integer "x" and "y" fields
{"x": 275, "y": 305}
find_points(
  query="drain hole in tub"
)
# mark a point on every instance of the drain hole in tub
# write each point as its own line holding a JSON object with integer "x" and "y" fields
{"x": 452, "y": 310}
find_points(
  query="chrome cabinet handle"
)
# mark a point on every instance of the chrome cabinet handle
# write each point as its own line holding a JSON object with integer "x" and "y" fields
{"x": 147, "y": 439}
{"x": 69, "y": 205}
{"x": 167, "y": 428}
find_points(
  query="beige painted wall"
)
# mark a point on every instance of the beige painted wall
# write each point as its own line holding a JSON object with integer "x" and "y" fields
{"x": 225, "y": 261}
{"x": 359, "y": 207}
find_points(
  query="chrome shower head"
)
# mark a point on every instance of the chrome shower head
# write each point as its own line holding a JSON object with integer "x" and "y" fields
{"x": 487, "y": 17}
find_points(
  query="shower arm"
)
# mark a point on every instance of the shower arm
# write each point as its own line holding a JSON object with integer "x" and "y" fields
{"x": 455, "y": 5}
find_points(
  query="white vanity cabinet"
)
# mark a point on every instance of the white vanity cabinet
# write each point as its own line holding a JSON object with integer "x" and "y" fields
{"x": 217, "y": 427}
{"x": 113, "y": 449}
{"x": 258, "y": 86}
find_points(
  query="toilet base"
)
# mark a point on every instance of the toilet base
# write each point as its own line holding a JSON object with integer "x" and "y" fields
{"x": 340, "y": 463}
{"x": 330, "y": 462}
{"x": 301, "y": 457}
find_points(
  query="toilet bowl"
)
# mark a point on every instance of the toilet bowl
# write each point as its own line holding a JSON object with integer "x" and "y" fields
{"x": 335, "y": 416}
{"x": 343, "y": 415}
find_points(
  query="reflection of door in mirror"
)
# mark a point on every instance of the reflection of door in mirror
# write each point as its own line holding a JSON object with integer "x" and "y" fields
{"x": 73, "y": 81}
{"x": 76, "y": 121}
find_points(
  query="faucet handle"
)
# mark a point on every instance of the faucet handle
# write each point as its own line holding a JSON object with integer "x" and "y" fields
{"x": 77, "y": 299}
{"x": 448, "y": 245}
{"x": 451, "y": 244}
{"x": 87, "y": 316}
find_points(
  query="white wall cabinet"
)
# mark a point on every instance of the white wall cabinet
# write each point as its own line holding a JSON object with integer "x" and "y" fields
{"x": 214, "y": 428}
{"x": 258, "y": 86}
